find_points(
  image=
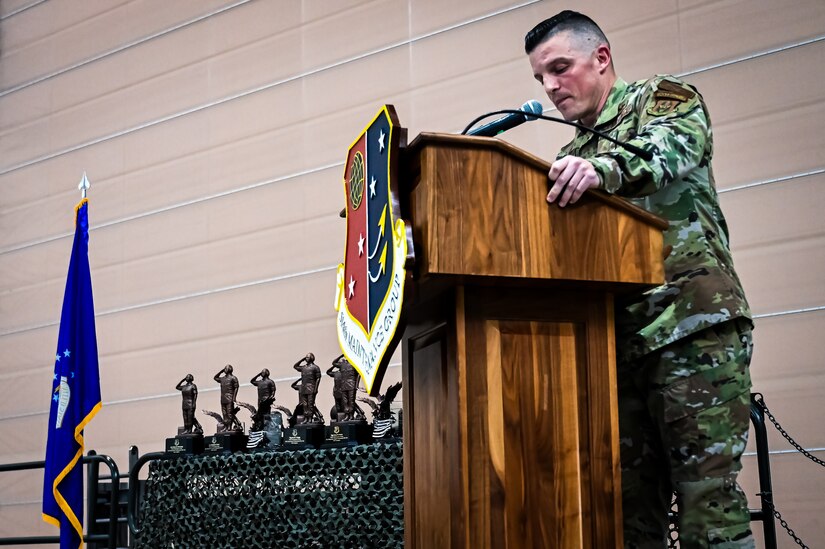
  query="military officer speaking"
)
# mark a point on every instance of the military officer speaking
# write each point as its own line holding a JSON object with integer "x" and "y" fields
{"x": 683, "y": 348}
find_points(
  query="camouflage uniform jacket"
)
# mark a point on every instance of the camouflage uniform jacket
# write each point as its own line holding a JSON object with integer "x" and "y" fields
{"x": 668, "y": 118}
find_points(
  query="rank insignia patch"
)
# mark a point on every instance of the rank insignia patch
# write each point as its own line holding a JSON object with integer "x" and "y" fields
{"x": 378, "y": 251}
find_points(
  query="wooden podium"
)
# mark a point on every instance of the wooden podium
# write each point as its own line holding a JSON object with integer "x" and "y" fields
{"x": 510, "y": 422}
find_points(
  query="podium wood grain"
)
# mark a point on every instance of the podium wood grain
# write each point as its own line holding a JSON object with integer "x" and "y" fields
{"x": 511, "y": 433}
{"x": 478, "y": 208}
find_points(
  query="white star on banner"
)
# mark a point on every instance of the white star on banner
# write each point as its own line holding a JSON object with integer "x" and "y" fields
{"x": 66, "y": 353}
{"x": 372, "y": 186}
{"x": 351, "y": 286}
{"x": 361, "y": 245}
{"x": 381, "y": 141}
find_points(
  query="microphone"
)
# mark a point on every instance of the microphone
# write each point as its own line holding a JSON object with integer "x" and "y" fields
{"x": 533, "y": 110}
{"x": 507, "y": 122}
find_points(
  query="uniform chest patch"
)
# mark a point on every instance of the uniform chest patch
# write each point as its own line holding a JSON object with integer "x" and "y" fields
{"x": 662, "y": 107}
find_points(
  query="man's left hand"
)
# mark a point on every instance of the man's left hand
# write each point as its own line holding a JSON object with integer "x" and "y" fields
{"x": 571, "y": 176}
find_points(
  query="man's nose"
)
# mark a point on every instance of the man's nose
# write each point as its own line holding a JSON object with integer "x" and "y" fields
{"x": 551, "y": 86}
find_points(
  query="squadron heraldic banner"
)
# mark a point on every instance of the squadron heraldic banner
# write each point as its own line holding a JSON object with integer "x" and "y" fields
{"x": 75, "y": 394}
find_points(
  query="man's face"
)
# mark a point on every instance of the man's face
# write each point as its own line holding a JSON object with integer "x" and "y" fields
{"x": 573, "y": 77}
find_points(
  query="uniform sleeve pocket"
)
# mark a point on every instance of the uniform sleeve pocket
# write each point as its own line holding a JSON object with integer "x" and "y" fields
{"x": 704, "y": 390}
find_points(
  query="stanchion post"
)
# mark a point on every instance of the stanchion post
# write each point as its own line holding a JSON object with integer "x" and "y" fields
{"x": 765, "y": 514}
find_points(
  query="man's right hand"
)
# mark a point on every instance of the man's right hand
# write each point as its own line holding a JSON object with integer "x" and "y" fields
{"x": 571, "y": 176}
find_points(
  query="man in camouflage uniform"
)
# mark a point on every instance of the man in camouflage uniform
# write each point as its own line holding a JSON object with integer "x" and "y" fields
{"x": 684, "y": 347}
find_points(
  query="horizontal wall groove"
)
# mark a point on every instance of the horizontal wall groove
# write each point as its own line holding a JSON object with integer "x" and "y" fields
{"x": 773, "y": 180}
{"x": 183, "y": 297}
{"x": 338, "y": 164}
{"x": 257, "y": 89}
{"x": 352, "y": 59}
{"x": 317, "y": 320}
{"x": 288, "y": 276}
{"x": 788, "y": 451}
{"x": 19, "y": 503}
{"x": 21, "y": 9}
{"x": 175, "y": 206}
{"x": 309, "y": 171}
{"x": 750, "y": 57}
{"x": 120, "y": 48}
{"x": 336, "y": 64}
{"x": 790, "y": 312}
{"x": 322, "y": 219}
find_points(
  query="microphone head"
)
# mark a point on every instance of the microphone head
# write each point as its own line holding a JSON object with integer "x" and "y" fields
{"x": 532, "y": 107}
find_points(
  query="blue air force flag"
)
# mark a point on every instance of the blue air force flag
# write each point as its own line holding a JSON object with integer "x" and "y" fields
{"x": 75, "y": 393}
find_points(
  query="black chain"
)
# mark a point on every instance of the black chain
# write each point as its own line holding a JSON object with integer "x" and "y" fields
{"x": 759, "y": 399}
{"x": 787, "y": 528}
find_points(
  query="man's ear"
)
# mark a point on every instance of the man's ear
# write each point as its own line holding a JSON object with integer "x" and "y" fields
{"x": 603, "y": 57}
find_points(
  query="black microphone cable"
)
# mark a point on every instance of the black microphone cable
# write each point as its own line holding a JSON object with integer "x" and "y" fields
{"x": 641, "y": 153}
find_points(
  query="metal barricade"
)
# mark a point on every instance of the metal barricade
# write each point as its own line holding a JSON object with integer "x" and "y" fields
{"x": 92, "y": 462}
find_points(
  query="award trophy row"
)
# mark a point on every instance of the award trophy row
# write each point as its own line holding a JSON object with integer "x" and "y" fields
{"x": 304, "y": 427}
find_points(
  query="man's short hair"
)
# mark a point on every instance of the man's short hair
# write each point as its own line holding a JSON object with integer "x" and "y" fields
{"x": 567, "y": 20}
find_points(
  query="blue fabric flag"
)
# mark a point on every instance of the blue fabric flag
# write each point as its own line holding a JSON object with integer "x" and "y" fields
{"x": 75, "y": 396}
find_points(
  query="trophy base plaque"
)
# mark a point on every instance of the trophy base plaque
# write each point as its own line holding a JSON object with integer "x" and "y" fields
{"x": 184, "y": 445}
{"x": 346, "y": 433}
{"x": 224, "y": 443}
{"x": 302, "y": 437}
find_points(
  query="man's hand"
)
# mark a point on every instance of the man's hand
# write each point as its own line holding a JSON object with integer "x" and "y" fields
{"x": 571, "y": 176}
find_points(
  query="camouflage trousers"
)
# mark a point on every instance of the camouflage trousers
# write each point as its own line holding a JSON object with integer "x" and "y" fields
{"x": 683, "y": 421}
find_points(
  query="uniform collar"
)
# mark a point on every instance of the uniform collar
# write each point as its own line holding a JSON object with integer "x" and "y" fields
{"x": 610, "y": 111}
{"x": 614, "y": 100}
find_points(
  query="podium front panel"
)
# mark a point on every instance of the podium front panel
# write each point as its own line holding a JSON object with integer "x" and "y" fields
{"x": 512, "y": 439}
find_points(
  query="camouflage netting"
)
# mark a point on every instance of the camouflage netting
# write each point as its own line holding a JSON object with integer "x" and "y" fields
{"x": 347, "y": 497}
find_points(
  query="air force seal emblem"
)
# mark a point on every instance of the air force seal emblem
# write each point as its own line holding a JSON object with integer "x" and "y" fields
{"x": 378, "y": 252}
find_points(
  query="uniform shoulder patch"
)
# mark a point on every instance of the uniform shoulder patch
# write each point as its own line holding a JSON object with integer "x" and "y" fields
{"x": 668, "y": 97}
{"x": 670, "y": 90}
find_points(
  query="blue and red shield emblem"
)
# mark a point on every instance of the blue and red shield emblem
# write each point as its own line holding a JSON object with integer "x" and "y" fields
{"x": 371, "y": 279}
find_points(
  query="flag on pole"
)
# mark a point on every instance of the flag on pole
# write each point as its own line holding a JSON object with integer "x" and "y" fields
{"x": 75, "y": 395}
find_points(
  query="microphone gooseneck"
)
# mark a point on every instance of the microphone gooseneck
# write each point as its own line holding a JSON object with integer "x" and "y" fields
{"x": 526, "y": 113}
